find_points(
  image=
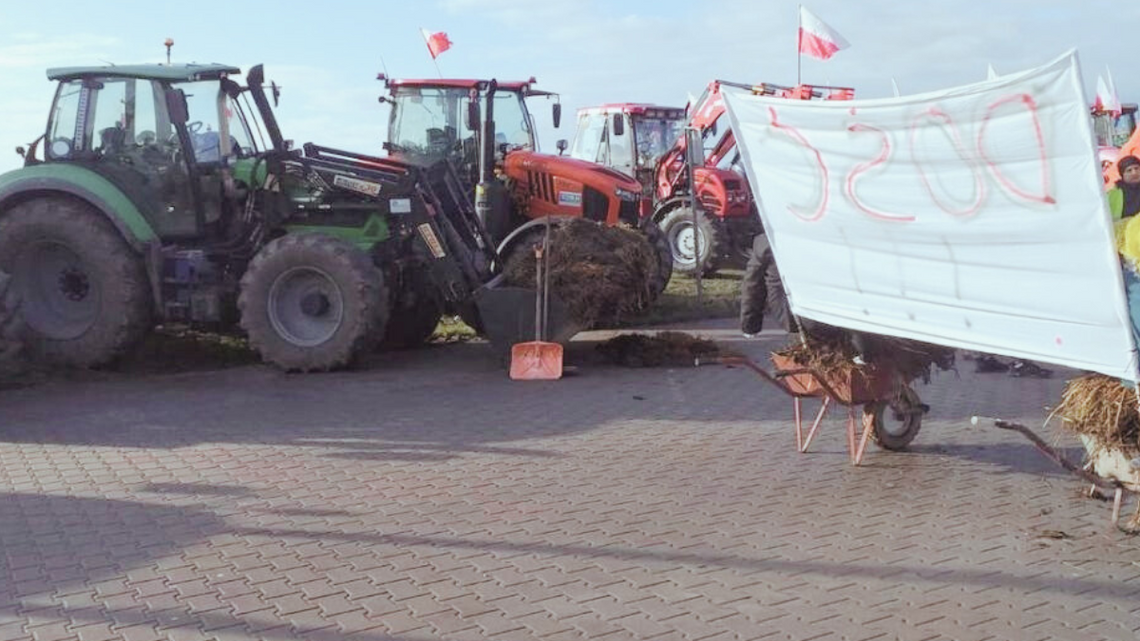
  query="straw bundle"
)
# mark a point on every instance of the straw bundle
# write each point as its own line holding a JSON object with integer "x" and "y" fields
{"x": 1103, "y": 408}
{"x": 603, "y": 274}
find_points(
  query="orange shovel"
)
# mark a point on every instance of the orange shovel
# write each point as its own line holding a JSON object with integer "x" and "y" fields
{"x": 538, "y": 360}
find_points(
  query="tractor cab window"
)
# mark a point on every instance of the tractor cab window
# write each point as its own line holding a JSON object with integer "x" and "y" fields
{"x": 109, "y": 117}
{"x": 617, "y": 149}
{"x": 1113, "y": 131}
{"x": 512, "y": 122}
{"x": 588, "y": 139}
{"x": 428, "y": 120}
{"x": 62, "y": 136}
{"x": 205, "y": 101}
{"x": 238, "y": 126}
{"x": 654, "y": 137}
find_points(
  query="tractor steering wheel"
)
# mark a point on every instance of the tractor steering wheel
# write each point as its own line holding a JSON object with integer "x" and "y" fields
{"x": 194, "y": 126}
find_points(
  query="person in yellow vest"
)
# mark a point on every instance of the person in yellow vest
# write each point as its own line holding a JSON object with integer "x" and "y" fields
{"x": 1124, "y": 204}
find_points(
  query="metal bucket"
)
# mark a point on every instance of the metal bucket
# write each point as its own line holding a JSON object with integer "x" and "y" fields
{"x": 507, "y": 315}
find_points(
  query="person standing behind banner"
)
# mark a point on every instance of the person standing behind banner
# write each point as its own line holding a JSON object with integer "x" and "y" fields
{"x": 1124, "y": 204}
{"x": 762, "y": 291}
{"x": 1124, "y": 198}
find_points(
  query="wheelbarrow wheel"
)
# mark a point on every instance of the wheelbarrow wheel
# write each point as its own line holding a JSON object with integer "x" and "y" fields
{"x": 895, "y": 423}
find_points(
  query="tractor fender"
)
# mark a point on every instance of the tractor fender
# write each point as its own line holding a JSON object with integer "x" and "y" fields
{"x": 83, "y": 184}
{"x": 522, "y": 230}
{"x": 665, "y": 206}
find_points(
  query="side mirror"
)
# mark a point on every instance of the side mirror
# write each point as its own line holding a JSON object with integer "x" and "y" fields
{"x": 557, "y": 114}
{"x": 472, "y": 116}
{"x": 618, "y": 128}
{"x": 20, "y": 151}
{"x": 694, "y": 147}
{"x": 176, "y": 106}
{"x": 713, "y": 127}
{"x": 276, "y": 92}
{"x": 561, "y": 145}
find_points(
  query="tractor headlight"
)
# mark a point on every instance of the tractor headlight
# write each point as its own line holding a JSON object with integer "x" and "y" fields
{"x": 627, "y": 195}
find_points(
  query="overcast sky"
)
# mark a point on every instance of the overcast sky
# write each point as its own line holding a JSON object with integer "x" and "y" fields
{"x": 326, "y": 55}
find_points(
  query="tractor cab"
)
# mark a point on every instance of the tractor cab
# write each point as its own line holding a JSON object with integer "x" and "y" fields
{"x": 433, "y": 119}
{"x": 628, "y": 137}
{"x": 487, "y": 130}
{"x": 1112, "y": 130}
{"x": 162, "y": 134}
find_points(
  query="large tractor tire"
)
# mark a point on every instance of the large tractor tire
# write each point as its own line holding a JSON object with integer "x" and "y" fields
{"x": 701, "y": 250}
{"x": 664, "y": 252}
{"x": 84, "y": 295}
{"x": 415, "y": 315}
{"x": 311, "y": 302}
{"x": 11, "y": 336}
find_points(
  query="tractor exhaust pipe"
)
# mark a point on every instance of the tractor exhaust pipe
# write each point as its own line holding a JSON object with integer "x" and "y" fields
{"x": 486, "y": 156}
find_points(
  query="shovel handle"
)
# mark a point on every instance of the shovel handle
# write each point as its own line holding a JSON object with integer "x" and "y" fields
{"x": 538, "y": 293}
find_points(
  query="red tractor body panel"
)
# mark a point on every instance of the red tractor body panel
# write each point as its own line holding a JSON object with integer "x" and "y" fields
{"x": 546, "y": 185}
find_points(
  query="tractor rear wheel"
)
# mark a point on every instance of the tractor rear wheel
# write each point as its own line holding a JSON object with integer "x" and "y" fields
{"x": 700, "y": 250}
{"x": 311, "y": 302}
{"x": 664, "y": 252}
{"x": 85, "y": 298}
{"x": 11, "y": 340}
{"x": 415, "y": 315}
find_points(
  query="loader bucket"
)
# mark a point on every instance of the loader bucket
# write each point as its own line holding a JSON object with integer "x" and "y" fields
{"x": 507, "y": 313}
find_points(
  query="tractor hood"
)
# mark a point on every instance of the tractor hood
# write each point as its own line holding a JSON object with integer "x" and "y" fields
{"x": 583, "y": 171}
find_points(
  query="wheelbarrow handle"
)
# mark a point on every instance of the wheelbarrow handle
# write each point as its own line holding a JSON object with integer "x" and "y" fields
{"x": 1057, "y": 457}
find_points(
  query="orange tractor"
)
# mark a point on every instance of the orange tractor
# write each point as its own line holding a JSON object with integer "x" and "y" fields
{"x": 486, "y": 129}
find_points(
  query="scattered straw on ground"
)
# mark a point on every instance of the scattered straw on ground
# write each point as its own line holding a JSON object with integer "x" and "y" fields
{"x": 662, "y": 350}
{"x": 1101, "y": 407}
{"x": 603, "y": 274}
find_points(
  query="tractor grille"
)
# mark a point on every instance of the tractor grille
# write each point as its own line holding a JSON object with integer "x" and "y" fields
{"x": 541, "y": 185}
{"x": 595, "y": 205}
{"x": 629, "y": 212}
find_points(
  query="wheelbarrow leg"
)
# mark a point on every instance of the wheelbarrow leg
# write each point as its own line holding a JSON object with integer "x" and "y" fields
{"x": 799, "y": 423}
{"x": 1116, "y": 501}
{"x": 814, "y": 425}
{"x": 868, "y": 426}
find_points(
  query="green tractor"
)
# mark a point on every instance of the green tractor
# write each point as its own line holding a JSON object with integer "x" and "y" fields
{"x": 167, "y": 194}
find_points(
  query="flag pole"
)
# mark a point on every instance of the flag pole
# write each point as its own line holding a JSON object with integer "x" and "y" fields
{"x": 799, "y": 38}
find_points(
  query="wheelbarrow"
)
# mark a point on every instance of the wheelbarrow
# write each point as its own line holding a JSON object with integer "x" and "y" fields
{"x": 1107, "y": 469}
{"x": 891, "y": 411}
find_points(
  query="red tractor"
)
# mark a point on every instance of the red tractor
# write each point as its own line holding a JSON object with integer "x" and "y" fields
{"x": 485, "y": 128}
{"x": 727, "y": 221}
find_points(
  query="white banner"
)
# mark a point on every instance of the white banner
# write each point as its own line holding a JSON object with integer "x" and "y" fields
{"x": 972, "y": 217}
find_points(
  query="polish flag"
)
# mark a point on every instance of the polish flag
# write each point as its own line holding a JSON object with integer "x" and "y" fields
{"x": 437, "y": 42}
{"x": 816, "y": 38}
{"x": 1106, "y": 99}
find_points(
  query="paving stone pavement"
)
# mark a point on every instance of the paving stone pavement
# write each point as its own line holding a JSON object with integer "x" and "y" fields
{"x": 428, "y": 497}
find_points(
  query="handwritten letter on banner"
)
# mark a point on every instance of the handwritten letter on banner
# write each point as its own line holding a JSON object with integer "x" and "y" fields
{"x": 971, "y": 217}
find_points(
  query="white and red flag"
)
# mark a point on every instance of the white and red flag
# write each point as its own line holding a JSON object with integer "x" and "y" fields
{"x": 437, "y": 42}
{"x": 816, "y": 38}
{"x": 1106, "y": 98}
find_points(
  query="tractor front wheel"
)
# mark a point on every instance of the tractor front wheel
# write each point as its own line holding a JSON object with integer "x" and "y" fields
{"x": 694, "y": 248}
{"x": 84, "y": 295}
{"x": 311, "y": 302}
